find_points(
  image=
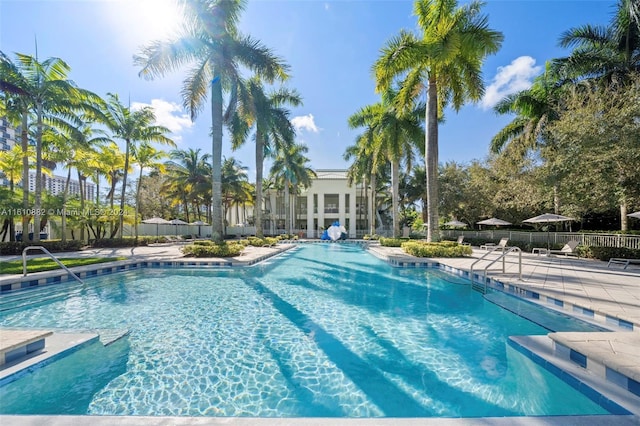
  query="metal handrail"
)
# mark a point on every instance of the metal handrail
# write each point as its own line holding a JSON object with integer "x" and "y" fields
{"x": 505, "y": 252}
{"x": 44, "y": 250}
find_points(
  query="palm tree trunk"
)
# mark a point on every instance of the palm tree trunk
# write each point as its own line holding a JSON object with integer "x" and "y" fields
{"x": 24, "y": 138}
{"x": 395, "y": 187}
{"x": 624, "y": 220}
{"x": 259, "y": 166}
{"x": 372, "y": 220}
{"x": 38, "y": 198}
{"x": 135, "y": 220}
{"x": 64, "y": 206}
{"x": 287, "y": 207}
{"x": 431, "y": 160}
{"x": 82, "y": 192}
{"x": 216, "y": 149}
{"x": 124, "y": 186}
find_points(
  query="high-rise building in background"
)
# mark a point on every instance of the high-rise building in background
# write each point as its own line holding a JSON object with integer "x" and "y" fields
{"x": 51, "y": 184}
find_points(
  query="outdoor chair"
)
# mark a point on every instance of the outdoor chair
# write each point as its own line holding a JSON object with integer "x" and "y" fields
{"x": 623, "y": 262}
{"x": 461, "y": 241}
{"x": 500, "y": 246}
{"x": 569, "y": 249}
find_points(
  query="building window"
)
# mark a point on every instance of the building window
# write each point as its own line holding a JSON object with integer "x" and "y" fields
{"x": 331, "y": 203}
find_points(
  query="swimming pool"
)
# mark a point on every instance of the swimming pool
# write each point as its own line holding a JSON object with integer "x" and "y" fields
{"x": 324, "y": 330}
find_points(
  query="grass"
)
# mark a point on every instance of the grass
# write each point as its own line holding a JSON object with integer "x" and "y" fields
{"x": 46, "y": 264}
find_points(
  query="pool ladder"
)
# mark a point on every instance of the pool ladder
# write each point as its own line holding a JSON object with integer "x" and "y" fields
{"x": 482, "y": 286}
{"x": 45, "y": 251}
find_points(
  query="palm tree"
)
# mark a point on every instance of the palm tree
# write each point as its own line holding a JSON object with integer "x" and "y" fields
{"x": 609, "y": 55}
{"x": 273, "y": 129}
{"x": 399, "y": 133}
{"x": 234, "y": 183}
{"x": 289, "y": 167}
{"x": 210, "y": 40}
{"x": 112, "y": 162}
{"x": 447, "y": 60}
{"x": 131, "y": 127}
{"x": 146, "y": 156}
{"x": 46, "y": 91}
{"x": 188, "y": 173}
{"x": 11, "y": 167}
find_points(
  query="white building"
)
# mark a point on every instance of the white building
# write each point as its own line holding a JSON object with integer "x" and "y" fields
{"x": 7, "y": 141}
{"x": 55, "y": 185}
{"x": 330, "y": 198}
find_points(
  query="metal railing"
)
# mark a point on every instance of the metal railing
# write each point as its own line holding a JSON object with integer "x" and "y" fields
{"x": 505, "y": 252}
{"x": 44, "y": 250}
{"x": 555, "y": 238}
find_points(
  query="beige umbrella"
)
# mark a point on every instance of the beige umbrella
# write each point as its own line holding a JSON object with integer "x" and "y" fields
{"x": 157, "y": 221}
{"x": 548, "y": 218}
{"x": 635, "y": 214}
{"x": 494, "y": 222}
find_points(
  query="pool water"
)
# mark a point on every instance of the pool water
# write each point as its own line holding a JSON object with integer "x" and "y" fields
{"x": 322, "y": 330}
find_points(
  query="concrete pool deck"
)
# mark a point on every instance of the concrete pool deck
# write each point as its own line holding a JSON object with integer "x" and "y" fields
{"x": 584, "y": 288}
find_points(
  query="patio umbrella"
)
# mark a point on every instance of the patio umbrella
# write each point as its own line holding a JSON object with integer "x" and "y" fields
{"x": 199, "y": 223}
{"x": 456, "y": 224}
{"x": 157, "y": 221}
{"x": 493, "y": 221}
{"x": 636, "y": 215}
{"x": 177, "y": 222}
{"x": 548, "y": 218}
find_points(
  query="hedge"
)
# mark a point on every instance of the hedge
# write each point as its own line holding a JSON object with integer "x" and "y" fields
{"x": 392, "y": 242}
{"x": 224, "y": 249}
{"x": 14, "y": 248}
{"x": 606, "y": 253}
{"x": 124, "y": 242}
{"x": 442, "y": 249}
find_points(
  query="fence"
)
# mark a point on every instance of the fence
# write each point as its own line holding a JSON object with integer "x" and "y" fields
{"x": 554, "y": 238}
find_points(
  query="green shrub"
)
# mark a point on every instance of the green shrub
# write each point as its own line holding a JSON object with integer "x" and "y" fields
{"x": 371, "y": 237}
{"x": 392, "y": 242}
{"x": 122, "y": 242}
{"x": 606, "y": 253}
{"x": 441, "y": 249}
{"x": 15, "y": 248}
{"x": 261, "y": 242}
{"x": 224, "y": 249}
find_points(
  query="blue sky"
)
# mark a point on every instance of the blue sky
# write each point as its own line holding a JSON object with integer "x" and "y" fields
{"x": 330, "y": 46}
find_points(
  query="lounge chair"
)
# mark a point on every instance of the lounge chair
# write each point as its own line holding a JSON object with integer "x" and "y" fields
{"x": 500, "y": 246}
{"x": 461, "y": 241}
{"x": 569, "y": 249}
{"x": 622, "y": 261}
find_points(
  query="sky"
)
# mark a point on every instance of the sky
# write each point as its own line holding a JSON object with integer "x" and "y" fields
{"x": 329, "y": 45}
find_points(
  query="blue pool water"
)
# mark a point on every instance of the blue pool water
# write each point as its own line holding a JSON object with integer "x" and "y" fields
{"x": 323, "y": 330}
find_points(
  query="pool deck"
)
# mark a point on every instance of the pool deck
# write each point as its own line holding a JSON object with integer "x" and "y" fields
{"x": 587, "y": 289}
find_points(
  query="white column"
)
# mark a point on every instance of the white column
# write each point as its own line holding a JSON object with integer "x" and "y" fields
{"x": 320, "y": 212}
{"x": 353, "y": 214}
{"x": 310, "y": 231}
{"x": 342, "y": 208}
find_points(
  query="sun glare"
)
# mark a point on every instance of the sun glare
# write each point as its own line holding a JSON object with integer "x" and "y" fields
{"x": 158, "y": 18}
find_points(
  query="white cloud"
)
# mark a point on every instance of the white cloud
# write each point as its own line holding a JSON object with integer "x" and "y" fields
{"x": 305, "y": 122}
{"x": 169, "y": 115}
{"x": 515, "y": 77}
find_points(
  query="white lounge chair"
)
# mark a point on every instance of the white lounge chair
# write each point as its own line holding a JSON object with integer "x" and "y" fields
{"x": 500, "y": 246}
{"x": 569, "y": 249}
{"x": 622, "y": 261}
{"x": 461, "y": 241}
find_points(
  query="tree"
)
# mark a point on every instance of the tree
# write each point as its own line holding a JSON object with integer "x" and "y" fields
{"x": 273, "y": 130}
{"x": 446, "y": 59}
{"x": 398, "y": 134}
{"x": 210, "y": 40}
{"x": 234, "y": 180}
{"x": 188, "y": 178}
{"x": 290, "y": 168}
{"x": 132, "y": 127}
{"x": 146, "y": 156}
{"x": 11, "y": 167}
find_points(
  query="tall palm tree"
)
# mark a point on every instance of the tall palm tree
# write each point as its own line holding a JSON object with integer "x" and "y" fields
{"x": 211, "y": 41}
{"x": 273, "y": 129}
{"x": 43, "y": 88}
{"x": 146, "y": 156}
{"x": 132, "y": 127}
{"x": 446, "y": 58}
{"x": 399, "y": 132}
{"x": 290, "y": 167}
{"x": 112, "y": 162}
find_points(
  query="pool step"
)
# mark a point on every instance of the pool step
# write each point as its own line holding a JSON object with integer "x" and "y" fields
{"x": 15, "y": 344}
